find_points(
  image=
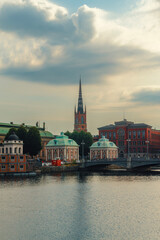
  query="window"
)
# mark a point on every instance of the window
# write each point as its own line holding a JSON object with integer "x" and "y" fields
{"x": 3, "y": 167}
{"x": 76, "y": 119}
{"x": 12, "y": 167}
{"x": 15, "y": 150}
{"x": 114, "y": 135}
{"x": 2, "y": 150}
{"x": 12, "y": 158}
{"x": 3, "y": 158}
{"x": 143, "y": 134}
{"x": 129, "y": 134}
{"x": 106, "y": 134}
{"x": 6, "y": 150}
{"x": 134, "y": 134}
{"x": 21, "y": 158}
{"x": 21, "y": 167}
{"x": 82, "y": 120}
{"x": 139, "y": 134}
{"x": 10, "y": 150}
{"x": 110, "y": 135}
{"x": 120, "y": 143}
{"x": 19, "y": 150}
{"x": 139, "y": 150}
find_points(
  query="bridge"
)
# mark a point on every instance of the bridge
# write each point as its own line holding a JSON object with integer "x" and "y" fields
{"x": 128, "y": 163}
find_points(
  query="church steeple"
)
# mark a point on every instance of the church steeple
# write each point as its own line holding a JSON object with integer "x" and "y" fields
{"x": 80, "y": 99}
{"x": 80, "y": 115}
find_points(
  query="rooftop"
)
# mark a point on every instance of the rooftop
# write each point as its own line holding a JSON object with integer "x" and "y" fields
{"x": 61, "y": 140}
{"x": 103, "y": 143}
{"x": 4, "y": 128}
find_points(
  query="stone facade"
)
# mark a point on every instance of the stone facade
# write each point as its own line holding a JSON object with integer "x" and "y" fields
{"x": 103, "y": 149}
{"x": 62, "y": 148}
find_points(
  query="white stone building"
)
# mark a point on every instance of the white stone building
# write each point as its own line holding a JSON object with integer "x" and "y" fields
{"x": 103, "y": 149}
{"x": 13, "y": 145}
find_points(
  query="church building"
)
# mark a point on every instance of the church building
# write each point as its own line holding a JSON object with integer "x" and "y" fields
{"x": 80, "y": 123}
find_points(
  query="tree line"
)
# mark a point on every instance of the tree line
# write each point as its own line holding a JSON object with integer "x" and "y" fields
{"x": 80, "y": 137}
{"x": 31, "y": 139}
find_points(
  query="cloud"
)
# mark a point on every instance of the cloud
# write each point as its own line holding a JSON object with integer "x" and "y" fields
{"x": 41, "y": 42}
{"x": 28, "y": 20}
{"x": 146, "y": 96}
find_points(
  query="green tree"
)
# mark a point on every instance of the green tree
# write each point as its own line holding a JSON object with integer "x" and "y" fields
{"x": 22, "y": 134}
{"x": 33, "y": 141}
{"x": 80, "y": 137}
{"x": 11, "y": 131}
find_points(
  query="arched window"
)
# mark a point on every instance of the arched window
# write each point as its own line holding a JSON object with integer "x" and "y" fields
{"x": 19, "y": 150}
{"x": 10, "y": 150}
{"x": 15, "y": 150}
{"x": 6, "y": 150}
{"x": 55, "y": 154}
{"x": 76, "y": 119}
{"x": 82, "y": 120}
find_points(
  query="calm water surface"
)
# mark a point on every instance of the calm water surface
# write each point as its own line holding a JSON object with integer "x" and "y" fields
{"x": 81, "y": 207}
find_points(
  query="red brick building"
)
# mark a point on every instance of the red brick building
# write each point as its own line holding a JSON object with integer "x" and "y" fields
{"x": 135, "y": 139}
{"x": 80, "y": 123}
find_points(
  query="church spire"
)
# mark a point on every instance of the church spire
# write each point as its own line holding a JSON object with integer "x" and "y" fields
{"x": 80, "y": 99}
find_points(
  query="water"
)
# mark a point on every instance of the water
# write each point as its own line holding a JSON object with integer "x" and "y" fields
{"x": 81, "y": 207}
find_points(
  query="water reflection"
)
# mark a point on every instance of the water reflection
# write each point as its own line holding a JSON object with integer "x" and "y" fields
{"x": 84, "y": 205}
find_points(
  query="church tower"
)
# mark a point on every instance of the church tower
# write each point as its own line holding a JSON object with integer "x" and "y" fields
{"x": 80, "y": 123}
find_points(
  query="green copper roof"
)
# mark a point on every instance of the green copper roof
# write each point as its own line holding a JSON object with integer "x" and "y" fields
{"x": 103, "y": 143}
{"x": 62, "y": 140}
{"x": 4, "y": 128}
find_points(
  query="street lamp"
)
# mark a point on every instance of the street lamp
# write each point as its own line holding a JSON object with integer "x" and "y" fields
{"x": 147, "y": 149}
{"x": 128, "y": 140}
{"x": 82, "y": 151}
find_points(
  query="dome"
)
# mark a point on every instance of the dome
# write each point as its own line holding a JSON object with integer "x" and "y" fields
{"x": 103, "y": 143}
{"x": 12, "y": 137}
{"x": 61, "y": 140}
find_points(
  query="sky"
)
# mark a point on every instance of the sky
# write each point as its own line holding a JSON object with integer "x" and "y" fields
{"x": 46, "y": 45}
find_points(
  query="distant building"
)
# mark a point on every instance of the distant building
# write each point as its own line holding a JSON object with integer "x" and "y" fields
{"x": 103, "y": 149}
{"x": 80, "y": 122}
{"x": 62, "y": 148}
{"x": 135, "y": 139}
{"x": 11, "y": 155}
{"x": 46, "y": 136}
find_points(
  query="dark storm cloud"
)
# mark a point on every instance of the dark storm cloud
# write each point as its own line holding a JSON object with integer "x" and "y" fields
{"x": 146, "y": 96}
{"x": 27, "y": 21}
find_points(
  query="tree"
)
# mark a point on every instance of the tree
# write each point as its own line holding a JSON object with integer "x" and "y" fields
{"x": 11, "y": 131}
{"x": 78, "y": 137}
{"x": 22, "y": 134}
{"x": 33, "y": 141}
